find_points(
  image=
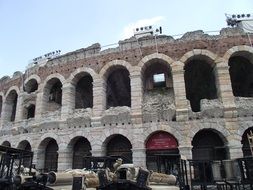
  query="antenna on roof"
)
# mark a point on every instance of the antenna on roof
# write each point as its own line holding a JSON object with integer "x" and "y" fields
{"x": 243, "y": 21}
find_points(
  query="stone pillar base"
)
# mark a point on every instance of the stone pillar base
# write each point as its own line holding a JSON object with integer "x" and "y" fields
{"x": 139, "y": 157}
{"x": 182, "y": 115}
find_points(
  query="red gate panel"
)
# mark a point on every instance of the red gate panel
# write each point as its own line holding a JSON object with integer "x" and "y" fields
{"x": 161, "y": 140}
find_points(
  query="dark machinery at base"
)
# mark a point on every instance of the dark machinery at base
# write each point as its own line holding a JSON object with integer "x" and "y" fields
{"x": 122, "y": 183}
{"x": 11, "y": 166}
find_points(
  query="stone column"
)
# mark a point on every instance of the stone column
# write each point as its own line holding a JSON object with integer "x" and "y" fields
{"x": 234, "y": 139}
{"x": 64, "y": 158}
{"x": 185, "y": 151}
{"x": 224, "y": 89}
{"x": 235, "y": 151}
{"x": 68, "y": 100}
{"x": 19, "y": 108}
{"x": 39, "y": 104}
{"x": 6, "y": 109}
{"x": 39, "y": 158}
{"x": 139, "y": 157}
{"x": 99, "y": 100}
{"x": 179, "y": 91}
{"x": 136, "y": 95}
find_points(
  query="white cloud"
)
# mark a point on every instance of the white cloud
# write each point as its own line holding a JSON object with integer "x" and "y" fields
{"x": 129, "y": 29}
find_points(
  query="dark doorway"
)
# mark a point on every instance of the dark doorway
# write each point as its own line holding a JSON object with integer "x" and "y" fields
{"x": 30, "y": 111}
{"x": 84, "y": 93}
{"x": 11, "y": 105}
{"x": 241, "y": 74}
{"x": 118, "y": 91}
{"x": 162, "y": 154}
{"x": 25, "y": 145}
{"x": 31, "y": 86}
{"x": 199, "y": 82}
{"x": 6, "y": 143}
{"x": 55, "y": 94}
{"x": 81, "y": 148}
{"x": 120, "y": 146}
{"x": 208, "y": 145}
{"x": 51, "y": 156}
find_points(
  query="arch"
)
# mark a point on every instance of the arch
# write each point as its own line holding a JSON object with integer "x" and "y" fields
{"x": 31, "y": 86}
{"x": 173, "y": 130}
{"x": 52, "y": 76}
{"x": 48, "y": 136}
{"x": 145, "y": 60}
{"x": 6, "y": 143}
{"x": 240, "y": 65}
{"x": 75, "y": 76}
{"x": 52, "y": 93}
{"x": 157, "y": 80}
{"x": 109, "y": 67}
{"x": 209, "y": 144}
{"x": 161, "y": 149}
{"x": 48, "y": 154}
{"x": 246, "y": 149}
{"x": 11, "y": 89}
{"x": 119, "y": 146}
{"x": 117, "y": 83}
{"x": 80, "y": 147}
{"x": 29, "y": 111}
{"x": 203, "y": 53}
{"x": 160, "y": 140}
{"x": 33, "y": 76}
{"x": 154, "y": 67}
{"x": 83, "y": 91}
{"x": 25, "y": 145}
{"x": 200, "y": 80}
{"x": 25, "y": 139}
{"x": 11, "y": 104}
{"x": 234, "y": 50}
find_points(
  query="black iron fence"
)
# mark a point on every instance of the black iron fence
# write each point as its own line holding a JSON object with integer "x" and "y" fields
{"x": 220, "y": 174}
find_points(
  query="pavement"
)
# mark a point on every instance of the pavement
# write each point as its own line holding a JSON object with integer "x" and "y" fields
{"x": 154, "y": 187}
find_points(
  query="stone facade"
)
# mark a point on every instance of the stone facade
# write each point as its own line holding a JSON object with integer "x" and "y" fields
{"x": 149, "y": 112}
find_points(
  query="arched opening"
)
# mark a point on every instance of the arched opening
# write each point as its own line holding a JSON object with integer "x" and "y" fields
{"x": 53, "y": 95}
{"x": 209, "y": 145}
{"x": 120, "y": 146}
{"x": 11, "y": 105}
{"x": 84, "y": 92}
{"x": 51, "y": 156}
{"x": 31, "y": 86}
{"x": 199, "y": 81}
{"x": 29, "y": 111}
{"x": 158, "y": 95}
{"x": 118, "y": 91}
{"x": 247, "y": 142}
{"x": 6, "y": 143}
{"x": 25, "y": 145}
{"x": 241, "y": 74}
{"x": 81, "y": 149}
{"x": 1, "y": 105}
{"x": 162, "y": 154}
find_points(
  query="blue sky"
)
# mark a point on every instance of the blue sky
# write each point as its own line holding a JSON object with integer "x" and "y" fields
{"x": 30, "y": 28}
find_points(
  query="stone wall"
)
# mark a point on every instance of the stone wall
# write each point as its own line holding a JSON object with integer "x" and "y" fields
{"x": 154, "y": 110}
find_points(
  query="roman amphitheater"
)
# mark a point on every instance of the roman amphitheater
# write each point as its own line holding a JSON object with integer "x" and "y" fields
{"x": 155, "y": 97}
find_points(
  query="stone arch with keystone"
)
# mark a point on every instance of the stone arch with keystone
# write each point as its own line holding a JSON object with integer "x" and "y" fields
{"x": 73, "y": 78}
{"x": 199, "y": 52}
{"x": 237, "y": 49}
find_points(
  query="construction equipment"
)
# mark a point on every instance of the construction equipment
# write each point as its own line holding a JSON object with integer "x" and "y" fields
{"x": 11, "y": 171}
